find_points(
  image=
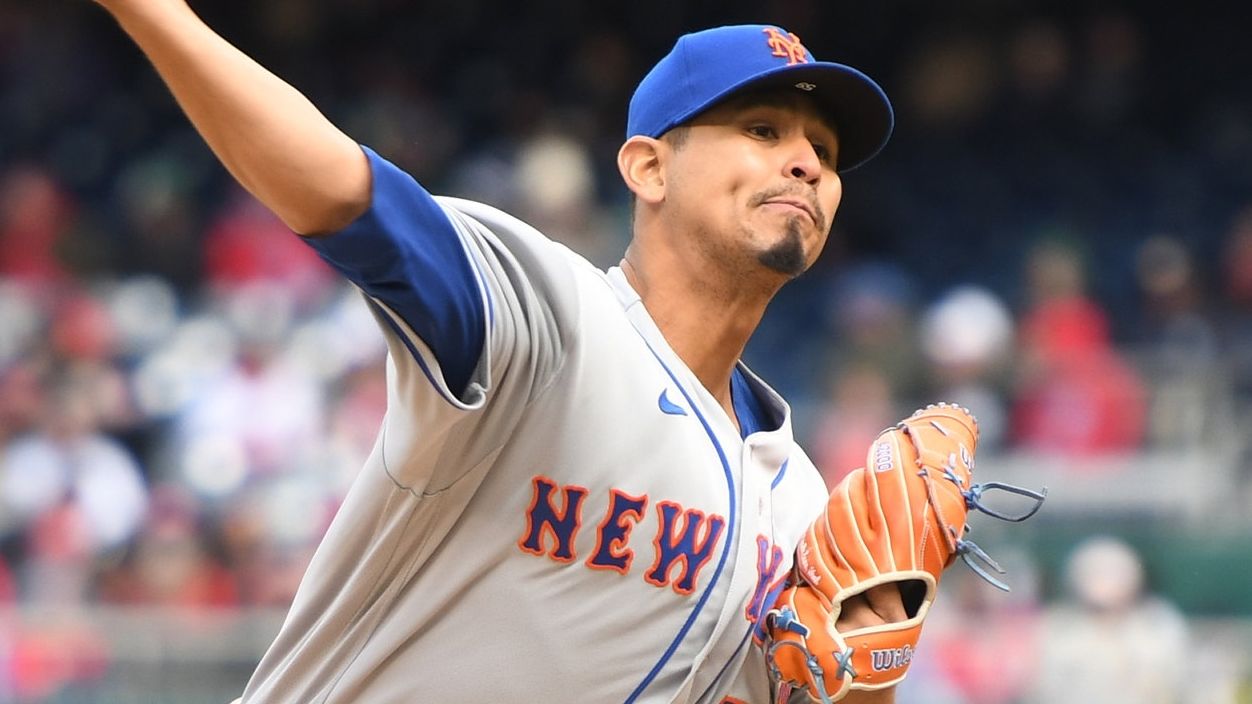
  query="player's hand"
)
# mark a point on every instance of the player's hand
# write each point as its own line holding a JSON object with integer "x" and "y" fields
{"x": 876, "y": 606}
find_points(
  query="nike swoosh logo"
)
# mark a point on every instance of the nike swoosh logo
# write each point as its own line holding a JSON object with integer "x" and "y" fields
{"x": 668, "y": 406}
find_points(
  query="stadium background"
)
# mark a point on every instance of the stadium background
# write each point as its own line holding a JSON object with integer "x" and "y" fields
{"x": 1059, "y": 235}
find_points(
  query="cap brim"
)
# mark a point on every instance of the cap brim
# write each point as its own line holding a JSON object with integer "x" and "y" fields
{"x": 857, "y": 106}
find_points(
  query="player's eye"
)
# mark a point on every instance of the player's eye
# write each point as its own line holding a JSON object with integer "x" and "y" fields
{"x": 763, "y": 131}
{"x": 824, "y": 153}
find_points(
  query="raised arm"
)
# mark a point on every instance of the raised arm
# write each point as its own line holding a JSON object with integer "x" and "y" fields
{"x": 275, "y": 142}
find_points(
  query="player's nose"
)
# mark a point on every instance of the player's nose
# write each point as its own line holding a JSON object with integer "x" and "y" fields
{"x": 803, "y": 161}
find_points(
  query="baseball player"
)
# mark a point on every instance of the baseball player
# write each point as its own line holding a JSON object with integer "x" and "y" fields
{"x": 579, "y": 493}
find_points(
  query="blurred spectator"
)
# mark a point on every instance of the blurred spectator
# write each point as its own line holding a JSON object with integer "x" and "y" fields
{"x": 159, "y": 216}
{"x": 1236, "y": 287}
{"x": 259, "y": 413}
{"x": 966, "y": 338}
{"x": 71, "y": 496}
{"x": 21, "y": 396}
{"x": 555, "y": 186}
{"x": 1076, "y": 394}
{"x": 1177, "y": 349}
{"x": 549, "y": 180}
{"x": 1236, "y": 333}
{"x": 75, "y": 494}
{"x": 268, "y": 535}
{"x": 35, "y": 213}
{"x": 83, "y": 341}
{"x": 144, "y": 310}
{"x": 949, "y": 81}
{"x": 170, "y": 564}
{"x": 871, "y": 322}
{"x": 984, "y": 644}
{"x": 1111, "y": 81}
{"x": 859, "y": 407}
{"x": 1039, "y": 65}
{"x": 8, "y": 585}
{"x": 870, "y": 362}
{"x": 21, "y": 318}
{"x": 1110, "y": 639}
{"x": 246, "y": 245}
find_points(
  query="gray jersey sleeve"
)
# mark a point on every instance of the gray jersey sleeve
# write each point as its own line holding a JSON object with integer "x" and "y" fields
{"x": 529, "y": 290}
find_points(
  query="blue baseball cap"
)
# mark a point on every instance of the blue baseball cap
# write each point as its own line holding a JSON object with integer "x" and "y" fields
{"x": 709, "y": 66}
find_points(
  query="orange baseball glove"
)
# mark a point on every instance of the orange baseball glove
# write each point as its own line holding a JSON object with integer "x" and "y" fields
{"x": 900, "y": 519}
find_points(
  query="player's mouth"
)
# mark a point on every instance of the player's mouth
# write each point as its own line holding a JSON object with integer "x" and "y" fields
{"x": 794, "y": 205}
{"x": 791, "y": 201}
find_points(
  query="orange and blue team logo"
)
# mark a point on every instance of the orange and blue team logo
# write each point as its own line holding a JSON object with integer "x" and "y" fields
{"x": 786, "y": 46}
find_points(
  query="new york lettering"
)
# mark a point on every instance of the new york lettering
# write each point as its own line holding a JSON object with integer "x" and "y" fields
{"x": 685, "y": 538}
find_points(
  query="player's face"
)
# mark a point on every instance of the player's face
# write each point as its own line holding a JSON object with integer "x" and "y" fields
{"x": 754, "y": 181}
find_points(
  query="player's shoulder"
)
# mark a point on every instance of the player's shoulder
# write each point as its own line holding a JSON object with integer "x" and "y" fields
{"x": 514, "y": 251}
{"x": 486, "y": 215}
{"x": 510, "y": 232}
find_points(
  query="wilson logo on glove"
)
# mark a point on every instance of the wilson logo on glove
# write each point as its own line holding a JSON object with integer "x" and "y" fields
{"x": 892, "y": 658}
{"x": 902, "y": 523}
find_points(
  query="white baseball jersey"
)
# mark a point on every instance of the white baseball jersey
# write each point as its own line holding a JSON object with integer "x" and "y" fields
{"x": 555, "y": 509}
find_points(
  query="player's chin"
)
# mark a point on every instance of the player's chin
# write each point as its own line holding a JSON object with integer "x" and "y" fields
{"x": 791, "y": 254}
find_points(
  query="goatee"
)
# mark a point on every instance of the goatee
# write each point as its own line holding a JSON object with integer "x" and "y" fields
{"x": 787, "y": 255}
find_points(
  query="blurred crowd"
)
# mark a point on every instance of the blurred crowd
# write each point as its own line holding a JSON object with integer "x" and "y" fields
{"x": 1059, "y": 237}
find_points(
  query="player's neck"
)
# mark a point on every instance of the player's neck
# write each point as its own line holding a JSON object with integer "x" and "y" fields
{"x": 706, "y": 324}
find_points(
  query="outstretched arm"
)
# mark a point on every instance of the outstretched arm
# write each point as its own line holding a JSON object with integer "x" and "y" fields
{"x": 275, "y": 142}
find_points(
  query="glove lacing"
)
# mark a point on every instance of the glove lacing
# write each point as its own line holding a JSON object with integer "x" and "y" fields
{"x": 968, "y": 550}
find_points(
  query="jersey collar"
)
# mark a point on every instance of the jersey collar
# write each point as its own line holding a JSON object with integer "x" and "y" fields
{"x": 774, "y": 445}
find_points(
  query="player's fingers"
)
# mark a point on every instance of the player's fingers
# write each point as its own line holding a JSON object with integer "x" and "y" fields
{"x": 886, "y": 602}
{"x": 856, "y": 613}
{"x": 875, "y": 607}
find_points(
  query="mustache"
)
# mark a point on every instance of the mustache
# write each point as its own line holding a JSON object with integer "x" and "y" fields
{"x": 808, "y": 196}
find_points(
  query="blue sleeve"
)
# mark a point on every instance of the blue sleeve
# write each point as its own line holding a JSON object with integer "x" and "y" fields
{"x": 405, "y": 252}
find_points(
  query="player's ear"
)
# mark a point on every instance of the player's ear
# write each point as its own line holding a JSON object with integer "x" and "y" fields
{"x": 642, "y": 165}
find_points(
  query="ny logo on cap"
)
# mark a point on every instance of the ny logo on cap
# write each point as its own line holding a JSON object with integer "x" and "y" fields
{"x": 786, "y": 46}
